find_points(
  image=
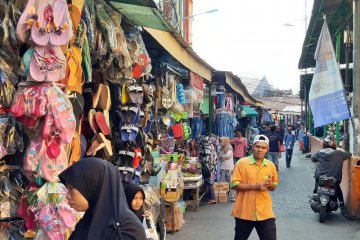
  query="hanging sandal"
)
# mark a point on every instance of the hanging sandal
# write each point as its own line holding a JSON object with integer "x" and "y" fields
{"x": 102, "y": 123}
{"x": 92, "y": 121}
{"x": 100, "y": 142}
{"x": 105, "y": 98}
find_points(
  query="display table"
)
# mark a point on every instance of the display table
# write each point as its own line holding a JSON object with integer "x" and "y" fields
{"x": 194, "y": 184}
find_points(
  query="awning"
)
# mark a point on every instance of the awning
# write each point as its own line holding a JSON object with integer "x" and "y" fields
{"x": 176, "y": 46}
{"x": 142, "y": 13}
{"x": 248, "y": 111}
{"x": 234, "y": 82}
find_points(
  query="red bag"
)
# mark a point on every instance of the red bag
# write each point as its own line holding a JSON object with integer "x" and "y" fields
{"x": 301, "y": 145}
{"x": 282, "y": 148}
{"x": 178, "y": 131}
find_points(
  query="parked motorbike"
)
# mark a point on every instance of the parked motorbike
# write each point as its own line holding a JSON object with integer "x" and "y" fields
{"x": 324, "y": 201}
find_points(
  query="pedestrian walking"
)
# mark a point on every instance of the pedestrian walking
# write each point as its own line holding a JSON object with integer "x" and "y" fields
{"x": 274, "y": 146}
{"x": 226, "y": 164}
{"x": 95, "y": 187}
{"x": 289, "y": 141}
{"x": 240, "y": 145}
{"x": 253, "y": 179}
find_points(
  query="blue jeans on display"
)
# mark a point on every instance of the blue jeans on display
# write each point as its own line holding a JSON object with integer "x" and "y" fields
{"x": 220, "y": 100}
{"x": 196, "y": 127}
{"x": 222, "y": 127}
{"x": 232, "y": 126}
{"x": 274, "y": 157}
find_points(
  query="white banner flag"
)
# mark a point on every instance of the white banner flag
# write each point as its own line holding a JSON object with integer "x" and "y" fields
{"x": 327, "y": 98}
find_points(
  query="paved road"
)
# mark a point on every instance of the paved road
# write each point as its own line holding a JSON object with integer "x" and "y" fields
{"x": 295, "y": 219}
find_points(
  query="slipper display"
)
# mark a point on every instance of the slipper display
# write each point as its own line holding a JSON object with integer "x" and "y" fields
{"x": 92, "y": 121}
{"x": 136, "y": 93}
{"x": 48, "y": 64}
{"x": 84, "y": 87}
{"x": 100, "y": 142}
{"x": 28, "y": 55}
{"x": 26, "y": 22}
{"x": 53, "y": 23}
{"x": 77, "y": 102}
{"x": 53, "y": 147}
{"x": 102, "y": 123}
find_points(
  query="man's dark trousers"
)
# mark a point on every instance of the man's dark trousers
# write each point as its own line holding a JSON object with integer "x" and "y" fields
{"x": 289, "y": 153}
{"x": 266, "y": 229}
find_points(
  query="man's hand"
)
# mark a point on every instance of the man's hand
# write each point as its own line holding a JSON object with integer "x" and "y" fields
{"x": 261, "y": 186}
{"x": 270, "y": 184}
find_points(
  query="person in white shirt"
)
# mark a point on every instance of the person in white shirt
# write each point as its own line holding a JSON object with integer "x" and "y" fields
{"x": 226, "y": 164}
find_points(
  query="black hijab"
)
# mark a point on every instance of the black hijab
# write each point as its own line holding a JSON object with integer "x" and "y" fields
{"x": 130, "y": 191}
{"x": 108, "y": 216}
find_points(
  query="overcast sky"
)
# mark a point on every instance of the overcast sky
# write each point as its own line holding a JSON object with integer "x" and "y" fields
{"x": 250, "y": 38}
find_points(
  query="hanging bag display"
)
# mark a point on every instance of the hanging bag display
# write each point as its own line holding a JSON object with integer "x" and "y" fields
{"x": 7, "y": 92}
{"x": 176, "y": 107}
{"x": 166, "y": 99}
{"x": 178, "y": 131}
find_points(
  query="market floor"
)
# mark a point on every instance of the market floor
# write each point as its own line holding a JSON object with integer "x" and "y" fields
{"x": 295, "y": 219}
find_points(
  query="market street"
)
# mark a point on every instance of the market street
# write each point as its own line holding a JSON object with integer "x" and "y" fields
{"x": 295, "y": 219}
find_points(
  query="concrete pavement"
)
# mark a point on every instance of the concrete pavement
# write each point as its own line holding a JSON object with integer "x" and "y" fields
{"x": 295, "y": 219}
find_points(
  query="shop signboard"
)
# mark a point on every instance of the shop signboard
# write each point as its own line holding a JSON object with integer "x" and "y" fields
{"x": 196, "y": 81}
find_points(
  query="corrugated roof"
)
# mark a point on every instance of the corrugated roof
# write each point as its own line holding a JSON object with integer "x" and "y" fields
{"x": 279, "y": 103}
{"x": 295, "y": 108}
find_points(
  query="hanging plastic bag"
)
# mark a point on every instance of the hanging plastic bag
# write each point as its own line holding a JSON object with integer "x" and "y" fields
{"x": 138, "y": 53}
{"x": 7, "y": 92}
{"x": 150, "y": 231}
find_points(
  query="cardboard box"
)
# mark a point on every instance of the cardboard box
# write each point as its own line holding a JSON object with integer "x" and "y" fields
{"x": 178, "y": 218}
{"x": 221, "y": 186}
{"x": 221, "y": 197}
{"x": 172, "y": 196}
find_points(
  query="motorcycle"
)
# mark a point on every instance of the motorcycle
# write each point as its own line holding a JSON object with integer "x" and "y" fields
{"x": 324, "y": 201}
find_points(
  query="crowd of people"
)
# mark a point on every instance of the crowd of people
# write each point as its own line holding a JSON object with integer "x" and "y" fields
{"x": 117, "y": 213}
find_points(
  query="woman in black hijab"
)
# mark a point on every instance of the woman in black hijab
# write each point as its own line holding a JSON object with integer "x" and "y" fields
{"x": 135, "y": 197}
{"x": 95, "y": 187}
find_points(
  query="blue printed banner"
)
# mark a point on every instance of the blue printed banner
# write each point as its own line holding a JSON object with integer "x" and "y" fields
{"x": 327, "y": 98}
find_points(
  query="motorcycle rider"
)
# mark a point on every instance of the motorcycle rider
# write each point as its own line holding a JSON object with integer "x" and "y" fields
{"x": 330, "y": 163}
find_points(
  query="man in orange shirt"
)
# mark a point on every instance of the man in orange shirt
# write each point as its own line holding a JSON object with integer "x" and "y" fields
{"x": 253, "y": 179}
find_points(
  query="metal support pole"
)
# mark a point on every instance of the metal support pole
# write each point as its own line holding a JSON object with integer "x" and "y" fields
{"x": 211, "y": 111}
{"x": 338, "y": 54}
{"x": 347, "y": 86}
{"x": 356, "y": 75}
{"x": 306, "y": 109}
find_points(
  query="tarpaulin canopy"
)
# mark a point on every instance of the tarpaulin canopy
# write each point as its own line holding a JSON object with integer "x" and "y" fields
{"x": 248, "y": 111}
{"x": 142, "y": 13}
